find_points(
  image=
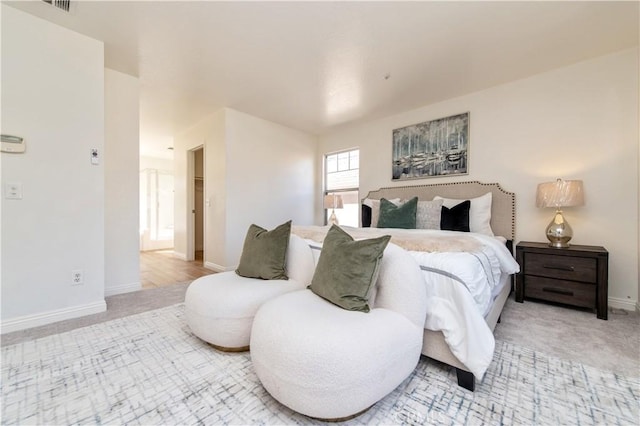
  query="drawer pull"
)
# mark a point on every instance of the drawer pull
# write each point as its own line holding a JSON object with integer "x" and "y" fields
{"x": 557, "y": 290}
{"x": 559, "y": 268}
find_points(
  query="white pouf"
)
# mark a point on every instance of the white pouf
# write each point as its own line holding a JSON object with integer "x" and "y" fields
{"x": 220, "y": 307}
{"x": 329, "y": 363}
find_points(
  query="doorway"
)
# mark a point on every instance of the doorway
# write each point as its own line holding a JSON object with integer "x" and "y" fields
{"x": 156, "y": 209}
{"x": 198, "y": 204}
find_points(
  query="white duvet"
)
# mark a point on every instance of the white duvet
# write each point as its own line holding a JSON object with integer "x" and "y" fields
{"x": 478, "y": 271}
{"x": 459, "y": 294}
{"x": 459, "y": 287}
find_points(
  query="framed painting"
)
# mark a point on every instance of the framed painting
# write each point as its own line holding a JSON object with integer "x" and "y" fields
{"x": 433, "y": 148}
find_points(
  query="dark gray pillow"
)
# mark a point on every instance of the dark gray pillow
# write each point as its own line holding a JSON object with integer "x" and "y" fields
{"x": 264, "y": 253}
{"x": 347, "y": 270}
{"x": 456, "y": 218}
{"x": 392, "y": 216}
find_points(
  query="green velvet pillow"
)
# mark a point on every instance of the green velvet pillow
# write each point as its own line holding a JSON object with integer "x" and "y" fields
{"x": 392, "y": 216}
{"x": 347, "y": 270}
{"x": 264, "y": 253}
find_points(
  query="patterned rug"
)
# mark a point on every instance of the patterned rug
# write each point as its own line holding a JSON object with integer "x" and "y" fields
{"x": 149, "y": 369}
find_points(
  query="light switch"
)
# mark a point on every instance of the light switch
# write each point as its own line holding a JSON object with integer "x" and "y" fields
{"x": 13, "y": 191}
{"x": 95, "y": 160}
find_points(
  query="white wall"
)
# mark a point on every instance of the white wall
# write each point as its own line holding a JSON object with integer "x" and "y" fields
{"x": 270, "y": 177}
{"x": 256, "y": 171}
{"x": 156, "y": 163}
{"x": 121, "y": 162}
{"x": 577, "y": 122}
{"x": 215, "y": 171}
{"x": 53, "y": 96}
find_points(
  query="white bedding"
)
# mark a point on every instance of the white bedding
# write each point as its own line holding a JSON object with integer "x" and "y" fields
{"x": 478, "y": 271}
{"x": 460, "y": 292}
{"x": 460, "y": 289}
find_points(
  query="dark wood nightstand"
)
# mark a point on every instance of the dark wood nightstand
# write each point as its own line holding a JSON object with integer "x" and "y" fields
{"x": 577, "y": 275}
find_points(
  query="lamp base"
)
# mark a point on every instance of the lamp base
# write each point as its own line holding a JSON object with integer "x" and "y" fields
{"x": 559, "y": 244}
{"x": 333, "y": 219}
{"x": 559, "y": 232}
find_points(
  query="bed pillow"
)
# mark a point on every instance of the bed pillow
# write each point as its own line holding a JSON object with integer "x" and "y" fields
{"x": 428, "y": 214}
{"x": 392, "y": 216}
{"x": 365, "y": 215}
{"x": 347, "y": 269}
{"x": 264, "y": 253}
{"x": 479, "y": 213}
{"x": 375, "y": 209}
{"x": 456, "y": 218}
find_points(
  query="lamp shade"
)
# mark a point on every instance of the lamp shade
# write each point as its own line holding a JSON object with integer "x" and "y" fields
{"x": 561, "y": 193}
{"x": 333, "y": 201}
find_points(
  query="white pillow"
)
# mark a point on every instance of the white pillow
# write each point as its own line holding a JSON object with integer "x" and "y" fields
{"x": 428, "y": 214}
{"x": 479, "y": 212}
{"x": 375, "y": 209}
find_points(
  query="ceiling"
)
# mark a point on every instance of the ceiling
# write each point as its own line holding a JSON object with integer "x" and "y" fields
{"x": 314, "y": 66}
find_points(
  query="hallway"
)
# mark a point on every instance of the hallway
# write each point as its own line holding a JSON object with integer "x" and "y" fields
{"x": 161, "y": 268}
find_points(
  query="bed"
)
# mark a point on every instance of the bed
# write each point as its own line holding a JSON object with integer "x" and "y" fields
{"x": 502, "y": 224}
{"x": 463, "y": 310}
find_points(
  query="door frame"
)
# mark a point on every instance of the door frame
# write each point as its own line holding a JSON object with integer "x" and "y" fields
{"x": 191, "y": 203}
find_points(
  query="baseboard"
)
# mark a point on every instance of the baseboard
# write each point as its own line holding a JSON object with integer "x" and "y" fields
{"x": 122, "y": 288}
{"x": 216, "y": 267}
{"x": 180, "y": 256}
{"x": 638, "y": 306}
{"x": 626, "y": 304}
{"x": 35, "y": 320}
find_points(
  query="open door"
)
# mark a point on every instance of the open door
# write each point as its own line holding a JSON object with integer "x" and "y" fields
{"x": 198, "y": 205}
{"x": 195, "y": 208}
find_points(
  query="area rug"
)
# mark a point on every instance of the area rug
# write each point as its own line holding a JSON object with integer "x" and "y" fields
{"x": 149, "y": 369}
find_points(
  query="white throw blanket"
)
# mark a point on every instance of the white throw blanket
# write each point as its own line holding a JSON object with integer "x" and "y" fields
{"x": 460, "y": 271}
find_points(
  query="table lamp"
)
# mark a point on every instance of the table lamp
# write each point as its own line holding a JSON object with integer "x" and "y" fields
{"x": 333, "y": 202}
{"x": 558, "y": 194}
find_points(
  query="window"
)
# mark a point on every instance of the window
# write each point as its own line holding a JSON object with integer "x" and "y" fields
{"x": 156, "y": 208}
{"x": 342, "y": 178}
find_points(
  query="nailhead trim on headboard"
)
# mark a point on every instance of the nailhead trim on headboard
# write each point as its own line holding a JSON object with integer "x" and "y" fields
{"x": 503, "y": 202}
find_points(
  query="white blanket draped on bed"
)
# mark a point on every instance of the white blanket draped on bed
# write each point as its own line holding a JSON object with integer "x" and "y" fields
{"x": 460, "y": 271}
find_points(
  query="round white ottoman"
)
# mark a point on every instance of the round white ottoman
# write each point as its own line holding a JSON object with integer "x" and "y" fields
{"x": 220, "y": 307}
{"x": 329, "y": 363}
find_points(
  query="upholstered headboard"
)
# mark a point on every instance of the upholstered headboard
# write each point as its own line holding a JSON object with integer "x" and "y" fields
{"x": 503, "y": 206}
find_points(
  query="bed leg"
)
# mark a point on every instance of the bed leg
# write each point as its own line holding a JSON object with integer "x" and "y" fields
{"x": 466, "y": 379}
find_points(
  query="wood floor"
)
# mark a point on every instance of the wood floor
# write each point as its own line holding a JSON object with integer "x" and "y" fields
{"x": 161, "y": 268}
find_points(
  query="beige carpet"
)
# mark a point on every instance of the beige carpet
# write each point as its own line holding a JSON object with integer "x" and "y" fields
{"x": 118, "y": 306}
{"x": 567, "y": 333}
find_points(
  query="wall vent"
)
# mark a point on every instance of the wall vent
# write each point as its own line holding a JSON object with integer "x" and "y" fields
{"x": 60, "y": 4}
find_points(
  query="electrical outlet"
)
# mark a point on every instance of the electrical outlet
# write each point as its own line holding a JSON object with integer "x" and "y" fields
{"x": 77, "y": 277}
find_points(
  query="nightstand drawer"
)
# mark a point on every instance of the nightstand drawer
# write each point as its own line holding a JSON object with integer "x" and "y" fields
{"x": 571, "y": 293}
{"x": 562, "y": 267}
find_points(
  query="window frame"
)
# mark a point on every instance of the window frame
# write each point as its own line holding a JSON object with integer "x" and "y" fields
{"x": 325, "y": 190}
